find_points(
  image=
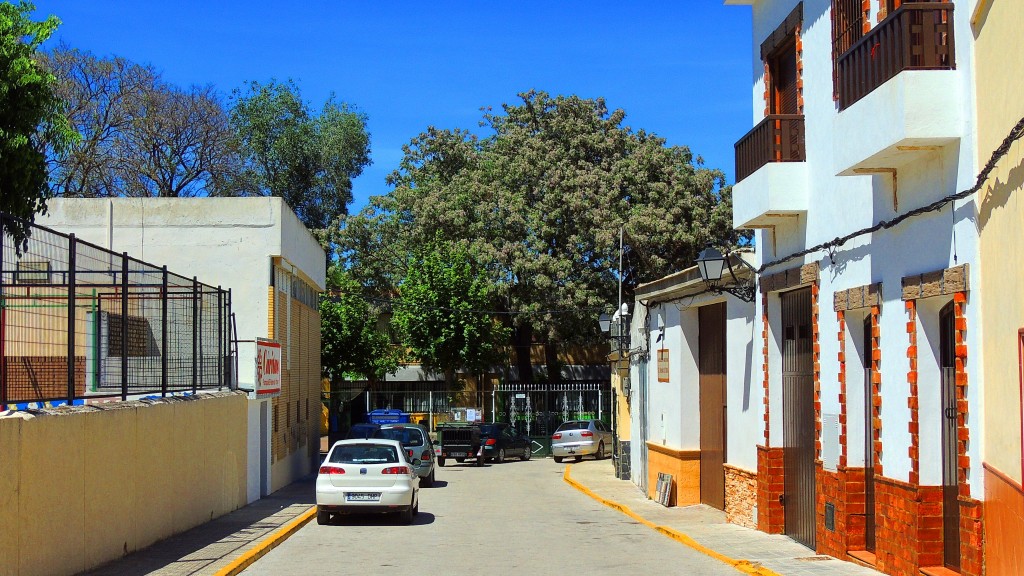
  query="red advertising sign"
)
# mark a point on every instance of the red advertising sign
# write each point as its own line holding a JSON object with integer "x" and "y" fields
{"x": 268, "y": 368}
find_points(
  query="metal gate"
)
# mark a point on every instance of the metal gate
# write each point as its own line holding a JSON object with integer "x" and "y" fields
{"x": 711, "y": 364}
{"x": 869, "y": 441}
{"x": 950, "y": 480}
{"x": 798, "y": 415}
{"x": 538, "y": 409}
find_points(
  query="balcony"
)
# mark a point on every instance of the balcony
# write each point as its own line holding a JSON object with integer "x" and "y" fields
{"x": 770, "y": 173}
{"x": 899, "y": 92}
{"x": 916, "y": 36}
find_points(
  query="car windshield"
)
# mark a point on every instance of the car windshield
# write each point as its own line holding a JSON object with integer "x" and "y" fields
{"x": 407, "y": 436}
{"x": 574, "y": 425}
{"x": 490, "y": 429}
{"x": 364, "y": 454}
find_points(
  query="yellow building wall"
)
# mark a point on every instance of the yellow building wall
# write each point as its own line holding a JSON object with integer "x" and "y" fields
{"x": 683, "y": 465}
{"x": 87, "y": 486}
{"x": 295, "y": 413}
{"x": 999, "y": 68}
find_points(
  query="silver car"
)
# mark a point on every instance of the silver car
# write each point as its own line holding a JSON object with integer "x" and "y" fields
{"x": 578, "y": 438}
{"x": 416, "y": 443}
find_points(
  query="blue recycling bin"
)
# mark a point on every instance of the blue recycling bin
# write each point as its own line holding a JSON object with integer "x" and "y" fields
{"x": 382, "y": 416}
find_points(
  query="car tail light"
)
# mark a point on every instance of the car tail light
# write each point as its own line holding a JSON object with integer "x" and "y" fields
{"x": 425, "y": 456}
{"x": 491, "y": 442}
{"x": 332, "y": 470}
{"x": 395, "y": 470}
{"x": 556, "y": 435}
{"x": 586, "y": 433}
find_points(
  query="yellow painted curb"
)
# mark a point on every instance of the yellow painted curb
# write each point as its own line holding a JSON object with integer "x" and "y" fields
{"x": 745, "y": 566}
{"x": 267, "y": 544}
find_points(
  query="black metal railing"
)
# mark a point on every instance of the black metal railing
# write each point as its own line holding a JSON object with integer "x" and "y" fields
{"x": 916, "y": 36}
{"x": 79, "y": 322}
{"x": 777, "y": 138}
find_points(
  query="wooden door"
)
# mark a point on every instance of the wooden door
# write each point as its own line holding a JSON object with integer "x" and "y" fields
{"x": 869, "y": 443}
{"x": 950, "y": 481}
{"x": 711, "y": 364}
{"x": 798, "y": 416}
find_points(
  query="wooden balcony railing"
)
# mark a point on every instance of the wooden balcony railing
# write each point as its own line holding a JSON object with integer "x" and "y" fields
{"x": 916, "y": 36}
{"x": 778, "y": 138}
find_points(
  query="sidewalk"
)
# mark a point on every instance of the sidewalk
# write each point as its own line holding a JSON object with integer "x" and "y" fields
{"x": 227, "y": 545}
{"x": 221, "y": 545}
{"x": 705, "y": 529}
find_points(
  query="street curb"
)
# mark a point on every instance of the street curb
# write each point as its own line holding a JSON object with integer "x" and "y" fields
{"x": 745, "y": 566}
{"x": 267, "y": 544}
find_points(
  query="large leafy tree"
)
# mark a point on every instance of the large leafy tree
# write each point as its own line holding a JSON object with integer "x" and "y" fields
{"x": 308, "y": 158}
{"x": 30, "y": 115}
{"x": 442, "y": 312}
{"x": 540, "y": 202}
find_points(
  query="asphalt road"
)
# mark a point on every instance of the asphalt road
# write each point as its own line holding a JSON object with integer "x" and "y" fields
{"x": 511, "y": 518}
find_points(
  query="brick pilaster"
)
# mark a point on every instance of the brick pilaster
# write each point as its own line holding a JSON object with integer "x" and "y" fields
{"x": 843, "y": 435}
{"x": 876, "y": 389}
{"x": 771, "y": 485}
{"x": 913, "y": 401}
{"x": 764, "y": 366}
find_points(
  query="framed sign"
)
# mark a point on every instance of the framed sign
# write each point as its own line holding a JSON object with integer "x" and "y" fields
{"x": 663, "y": 366}
{"x": 268, "y": 368}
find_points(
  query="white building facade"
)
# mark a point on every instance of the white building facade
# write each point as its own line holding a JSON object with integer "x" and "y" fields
{"x": 261, "y": 251}
{"x": 867, "y": 327}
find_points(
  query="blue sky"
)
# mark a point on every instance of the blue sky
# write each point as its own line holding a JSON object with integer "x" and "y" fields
{"x": 680, "y": 69}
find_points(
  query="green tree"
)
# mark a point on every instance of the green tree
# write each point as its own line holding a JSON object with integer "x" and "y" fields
{"x": 31, "y": 116}
{"x": 540, "y": 201}
{"x": 353, "y": 343}
{"x": 289, "y": 150}
{"x": 442, "y": 312}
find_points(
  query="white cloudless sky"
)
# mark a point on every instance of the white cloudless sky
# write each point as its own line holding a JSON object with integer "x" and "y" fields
{"x": 681, "y": 69}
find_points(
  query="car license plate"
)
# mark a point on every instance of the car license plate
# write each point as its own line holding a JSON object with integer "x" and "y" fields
{"x": 570, "y": 450}
{"x": 362, "y": 496}
{"x": 457, "y": 454}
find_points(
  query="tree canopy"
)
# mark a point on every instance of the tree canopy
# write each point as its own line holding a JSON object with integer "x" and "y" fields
{"x": 442, "y": 313}
{"x": 539, "y": 201}
{"x": 141, "y": 136}
{"x": 291, "y": 151}
{"x": 30, "y": 115}
{"x": 353, "y": 343}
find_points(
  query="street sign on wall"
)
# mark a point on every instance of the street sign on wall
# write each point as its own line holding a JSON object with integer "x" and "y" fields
{"x": 268, "y": 368}
{"x": 663, "y": 374}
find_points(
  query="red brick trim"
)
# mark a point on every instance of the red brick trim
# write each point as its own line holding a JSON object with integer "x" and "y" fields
{"x": 913, "y": 400}
{"x": 764, "y": 366}
{"x": 844, "y": 489}
{"x": 962, "y": 431}
{"x": 876, "y": 388}
{"x": 972, "y": 541}
{"x": 909, "y": 529}
{"x": 816, "y": 359}
{"x": 771, "y": 485}
{"x": 843, "y": 436}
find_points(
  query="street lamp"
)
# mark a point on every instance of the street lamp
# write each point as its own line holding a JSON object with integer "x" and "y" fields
{"x": 613, "y": 323}
{"x": 711, "y": 263}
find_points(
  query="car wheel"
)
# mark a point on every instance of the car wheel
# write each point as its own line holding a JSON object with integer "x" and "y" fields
{"x": 578, "y": 458}
{"x": 526, "y": 453}
{"x": 600, "y": 452}
{"x": 323, "y": 517}
{"x": 440, "y": 462}
{"x": 416, "y": 508}
{"x": 501, "y": 456}
{"x": 406, "y": 515}
{"x": 480, "y": 460}
{"x": 429, "y": 480}
{"x": 558, "y": 459}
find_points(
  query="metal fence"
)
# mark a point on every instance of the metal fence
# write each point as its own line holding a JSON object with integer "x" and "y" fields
{"x": 79, "y": 323}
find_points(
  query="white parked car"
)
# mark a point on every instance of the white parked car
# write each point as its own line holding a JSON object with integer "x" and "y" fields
{"x": 578, "y": 438}
{"x": 373, "y": 475}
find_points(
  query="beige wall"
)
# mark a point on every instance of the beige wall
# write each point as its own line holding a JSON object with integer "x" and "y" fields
{"x": 84, "y": 486}
{"x": 1000, "y": 82}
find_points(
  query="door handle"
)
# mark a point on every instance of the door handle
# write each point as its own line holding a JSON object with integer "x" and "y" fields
{"x": 950, "y": 413}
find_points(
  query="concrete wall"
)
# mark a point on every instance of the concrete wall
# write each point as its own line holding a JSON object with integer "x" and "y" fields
{"x": 83, "y": 486}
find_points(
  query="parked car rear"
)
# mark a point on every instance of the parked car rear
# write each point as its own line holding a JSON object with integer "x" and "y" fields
{"x": 503, "y": 441}
{"x": 416, "y": 442}
{"x": 367, "y": 476}
{"x": 579, "y": 438}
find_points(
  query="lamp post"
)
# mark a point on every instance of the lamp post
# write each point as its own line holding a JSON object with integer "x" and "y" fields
{"x": 711, "y": 263}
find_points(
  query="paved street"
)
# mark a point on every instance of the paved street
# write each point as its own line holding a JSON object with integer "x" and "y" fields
{"x": 517, "y": 517}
